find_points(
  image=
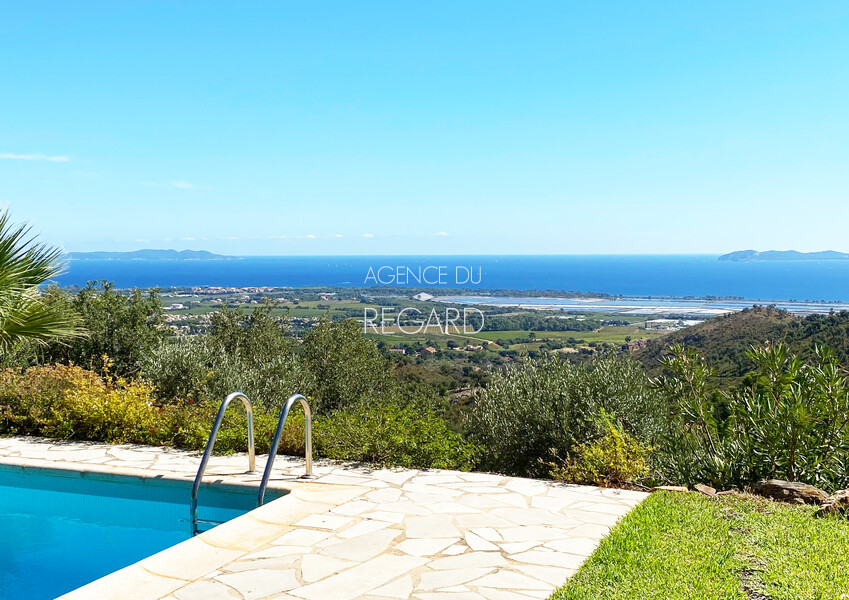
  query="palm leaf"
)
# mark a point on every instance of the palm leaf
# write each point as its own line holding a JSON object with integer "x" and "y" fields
{"x": 28, "y": 316}
{"x": 24, "y": 265}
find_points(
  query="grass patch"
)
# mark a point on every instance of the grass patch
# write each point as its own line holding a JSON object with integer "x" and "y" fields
{"x": 802, "y": 557}
{"x": 670, "y": 546}
{"x": 687, "y": 546}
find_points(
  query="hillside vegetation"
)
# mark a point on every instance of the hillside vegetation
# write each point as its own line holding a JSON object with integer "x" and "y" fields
{"x": 725, "y": 341}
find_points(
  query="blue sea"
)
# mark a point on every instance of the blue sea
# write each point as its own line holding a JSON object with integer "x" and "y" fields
{"x": 629, "y": 275}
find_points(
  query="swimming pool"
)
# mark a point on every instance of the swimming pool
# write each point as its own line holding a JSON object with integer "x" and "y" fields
{"x": 62, "y": 529}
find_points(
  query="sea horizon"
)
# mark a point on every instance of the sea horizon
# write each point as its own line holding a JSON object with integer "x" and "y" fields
{"x": 638, "y": 275}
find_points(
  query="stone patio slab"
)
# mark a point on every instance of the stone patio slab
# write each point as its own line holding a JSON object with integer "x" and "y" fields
{"x": 351, "y": 533}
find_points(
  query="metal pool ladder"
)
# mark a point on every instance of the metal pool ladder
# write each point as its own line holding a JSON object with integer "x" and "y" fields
{"x": 251, "y": 457}
{"x": 272, "y": 452}
{"x": 208, "y": 452}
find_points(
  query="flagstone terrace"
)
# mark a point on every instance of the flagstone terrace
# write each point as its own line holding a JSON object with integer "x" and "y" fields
{"x": 353, "y": 532}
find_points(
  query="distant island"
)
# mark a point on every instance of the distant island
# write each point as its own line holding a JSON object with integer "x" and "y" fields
{"x": 752, "y": 255}
{"x": 151, "y": 255}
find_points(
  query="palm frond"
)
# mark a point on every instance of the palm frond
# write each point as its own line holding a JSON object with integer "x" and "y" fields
{"x": 24, "y": 265}
{"x": 27, "y": 316}
{"x": 24, "y": 262}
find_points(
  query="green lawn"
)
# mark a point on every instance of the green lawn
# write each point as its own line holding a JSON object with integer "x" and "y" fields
{"x": 689, "y": 547}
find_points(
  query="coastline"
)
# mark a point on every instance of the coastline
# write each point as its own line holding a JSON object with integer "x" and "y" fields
{"x": 646, "y": 305}
{"x": 659, "y": 278}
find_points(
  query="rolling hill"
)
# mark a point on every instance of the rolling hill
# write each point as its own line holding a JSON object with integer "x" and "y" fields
{"x": 754, "y": 255}
{"x": 725, "y": 340}
{"x": 151, "y": 255}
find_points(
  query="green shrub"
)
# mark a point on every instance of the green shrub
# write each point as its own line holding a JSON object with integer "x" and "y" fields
{"x": 233, "y": 435}
{"x": 250, "y": 353}
{"x": 390, "y": 434}
{"x": 27, "y": 397}
{"x": 335, "y": 365}
{"x": 203, "y": 370}
{"x": 347, "y": 368}
{"x": 790, "y": 421}
{"x": 120, "y": 412}
{"x": 126, "y": 328}
{"x": 611, "y": 460}
{"x": 698, "y": 446}
{"x": 529, "y": 415}
{"x": 72, "y": 403}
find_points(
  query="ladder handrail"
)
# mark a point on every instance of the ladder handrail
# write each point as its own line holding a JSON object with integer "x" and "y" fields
{"x": 219, "y": 417}
{"x": 272, "y": 452}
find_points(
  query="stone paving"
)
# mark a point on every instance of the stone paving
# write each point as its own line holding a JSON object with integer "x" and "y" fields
{"x": 353, "y": 532}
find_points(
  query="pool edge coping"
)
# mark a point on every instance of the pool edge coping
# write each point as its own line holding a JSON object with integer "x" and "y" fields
{"x": 98, "y": 472}
{"x": 185, "y": 562}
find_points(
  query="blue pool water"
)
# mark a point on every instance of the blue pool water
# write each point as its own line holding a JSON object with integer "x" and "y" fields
{"x": 58, "y": 532}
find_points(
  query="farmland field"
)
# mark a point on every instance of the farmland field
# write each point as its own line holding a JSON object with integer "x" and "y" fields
{"x": 303, "y": 307}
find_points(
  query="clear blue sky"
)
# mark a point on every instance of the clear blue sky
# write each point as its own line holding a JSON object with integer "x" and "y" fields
{"x": 415, "y": 128}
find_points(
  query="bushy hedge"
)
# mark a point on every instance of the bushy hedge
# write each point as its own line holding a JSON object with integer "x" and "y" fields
{"x": 395, "y": 435}
{"x": 68, "y": 402}
{"x": 334, "y": 364}
{"x": 534, "y": 414}
{"x": 606, "y": 422}
{"x": 603, "y": 422}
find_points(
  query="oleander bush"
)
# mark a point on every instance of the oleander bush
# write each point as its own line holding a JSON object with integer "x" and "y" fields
{"x": 788, "y": 420}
